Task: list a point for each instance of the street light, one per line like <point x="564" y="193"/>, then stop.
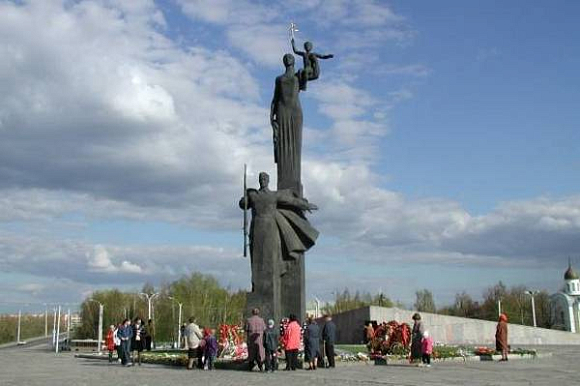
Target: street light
<point x="149" y="300"/>
<point x="178" y="321"/>
<point x="18" y="332"/>
<point x="532" y="294"/>
<point x="45" y="319"/>
<point x="317" y="308"/>
<point x="57" y="330"/>
<point x="54" y="328"/>
<point x="100" y="330"/>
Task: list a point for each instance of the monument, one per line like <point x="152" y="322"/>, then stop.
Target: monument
<point x="279" y="232"/>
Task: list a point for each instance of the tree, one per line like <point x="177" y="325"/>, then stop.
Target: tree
<point x="542" y="300"/>
<point x="464" y="305"/>
<point x="345" y="301"/>
<point x="424" y="301"/>
<point x="517" y="302"/>
<point x="491" y="295"/>
<point x="201" y="295"/>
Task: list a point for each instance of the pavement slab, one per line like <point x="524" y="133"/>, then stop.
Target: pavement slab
<point x="33" y="366"/>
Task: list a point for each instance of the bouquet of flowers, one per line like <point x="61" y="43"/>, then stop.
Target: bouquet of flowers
<point x="231" y="342"/>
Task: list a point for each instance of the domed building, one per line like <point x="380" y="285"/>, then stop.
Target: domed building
<point x="565" y="305"/>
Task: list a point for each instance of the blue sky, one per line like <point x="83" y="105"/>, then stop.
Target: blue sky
<point x="441" y="142"/>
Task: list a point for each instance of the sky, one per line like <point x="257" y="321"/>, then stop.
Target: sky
<point x="441" y="143"/>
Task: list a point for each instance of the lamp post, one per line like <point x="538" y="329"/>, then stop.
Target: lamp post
<point x="57" y="330"/>
<point x="317" y="308"/>
<point x="100" y="330"/>
<point x="45" y="319"/>
<point x="532" y="294"/>
<point x="178" y="321"/>
<point x="54" y="328"/>
<point x="149" y="300"/>
<point x="18" y="331"/>
<point x="68" y="316"/>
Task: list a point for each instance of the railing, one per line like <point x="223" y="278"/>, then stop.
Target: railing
<point x="84" y="345"/>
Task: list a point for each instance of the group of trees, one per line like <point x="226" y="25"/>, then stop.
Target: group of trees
<point x="31" y="326"/>
<point x="345" y="301"/>
<point x="201" y="296"/>
<point x="515" y="303"/>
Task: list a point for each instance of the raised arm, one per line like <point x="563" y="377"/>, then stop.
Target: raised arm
<point x="301" y="53"/>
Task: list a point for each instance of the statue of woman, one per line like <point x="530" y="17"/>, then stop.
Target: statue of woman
<point x="276" y="225"/>
<point x="286" y="121"/>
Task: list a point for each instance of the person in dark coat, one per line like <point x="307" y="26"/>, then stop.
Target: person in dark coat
<point x="271" y="339"/>
<point x="501" y="337"/>
<point x="150" y="335"/>
<point x="311" y="343"/>
<point x="125" y="334"/>
<point x="329" y="337"/>
<point x="138" y="339"/>
<point x="416" y="338"/>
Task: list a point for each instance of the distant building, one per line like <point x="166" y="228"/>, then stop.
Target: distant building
<point x="565" y="305"/>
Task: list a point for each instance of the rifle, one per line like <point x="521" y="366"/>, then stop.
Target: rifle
<point x="245" y="214"/>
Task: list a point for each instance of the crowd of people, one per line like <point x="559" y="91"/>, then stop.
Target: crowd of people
<point x="129" y="339"/>
<point x="263" y="341"/>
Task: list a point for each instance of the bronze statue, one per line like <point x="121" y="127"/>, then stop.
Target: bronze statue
<point x="279" y="234"/>
<point x="286" y="121"/>
<point x="311" y="68"/>
<point x="279" y="231"/>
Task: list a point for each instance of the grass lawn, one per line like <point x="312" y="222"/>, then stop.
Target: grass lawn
<point x="352" y="348"/>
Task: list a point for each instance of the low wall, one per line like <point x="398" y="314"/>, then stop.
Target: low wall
<point x="349" y="325"/>
<point x="449" y="329"/>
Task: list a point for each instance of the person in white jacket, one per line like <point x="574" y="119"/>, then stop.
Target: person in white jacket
<point x="117" y="341"/>
<point x="193" y="337"/>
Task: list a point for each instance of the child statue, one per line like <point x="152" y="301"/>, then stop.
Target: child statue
<point x="311" y="69"/>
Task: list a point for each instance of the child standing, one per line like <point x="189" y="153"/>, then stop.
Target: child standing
<point x="210" y="349"/>
<point x="426" y="349"/>
<point x="110" y="342"/>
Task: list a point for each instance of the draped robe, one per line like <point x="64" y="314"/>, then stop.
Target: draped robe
<point x="278" y="235"/>
<point x="288" y="148"/>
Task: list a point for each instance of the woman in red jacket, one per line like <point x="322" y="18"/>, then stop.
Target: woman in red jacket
<point x="110" y="342"/>
<point x="292" y="342"/>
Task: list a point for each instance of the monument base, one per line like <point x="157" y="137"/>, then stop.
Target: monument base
<point x="292" y="296"/>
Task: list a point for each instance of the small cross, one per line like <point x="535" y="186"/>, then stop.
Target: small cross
<point x="293" y="28"/>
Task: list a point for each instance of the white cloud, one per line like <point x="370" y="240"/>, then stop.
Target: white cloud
<point x="132" y="110"/>
<point x="100" y="261"/>
<point x="97" y="264"/>
<point x="33" y="288"/>
<point x="103" y="117"/>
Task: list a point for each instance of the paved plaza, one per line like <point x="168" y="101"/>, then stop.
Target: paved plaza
<point x="36" y="366"/>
